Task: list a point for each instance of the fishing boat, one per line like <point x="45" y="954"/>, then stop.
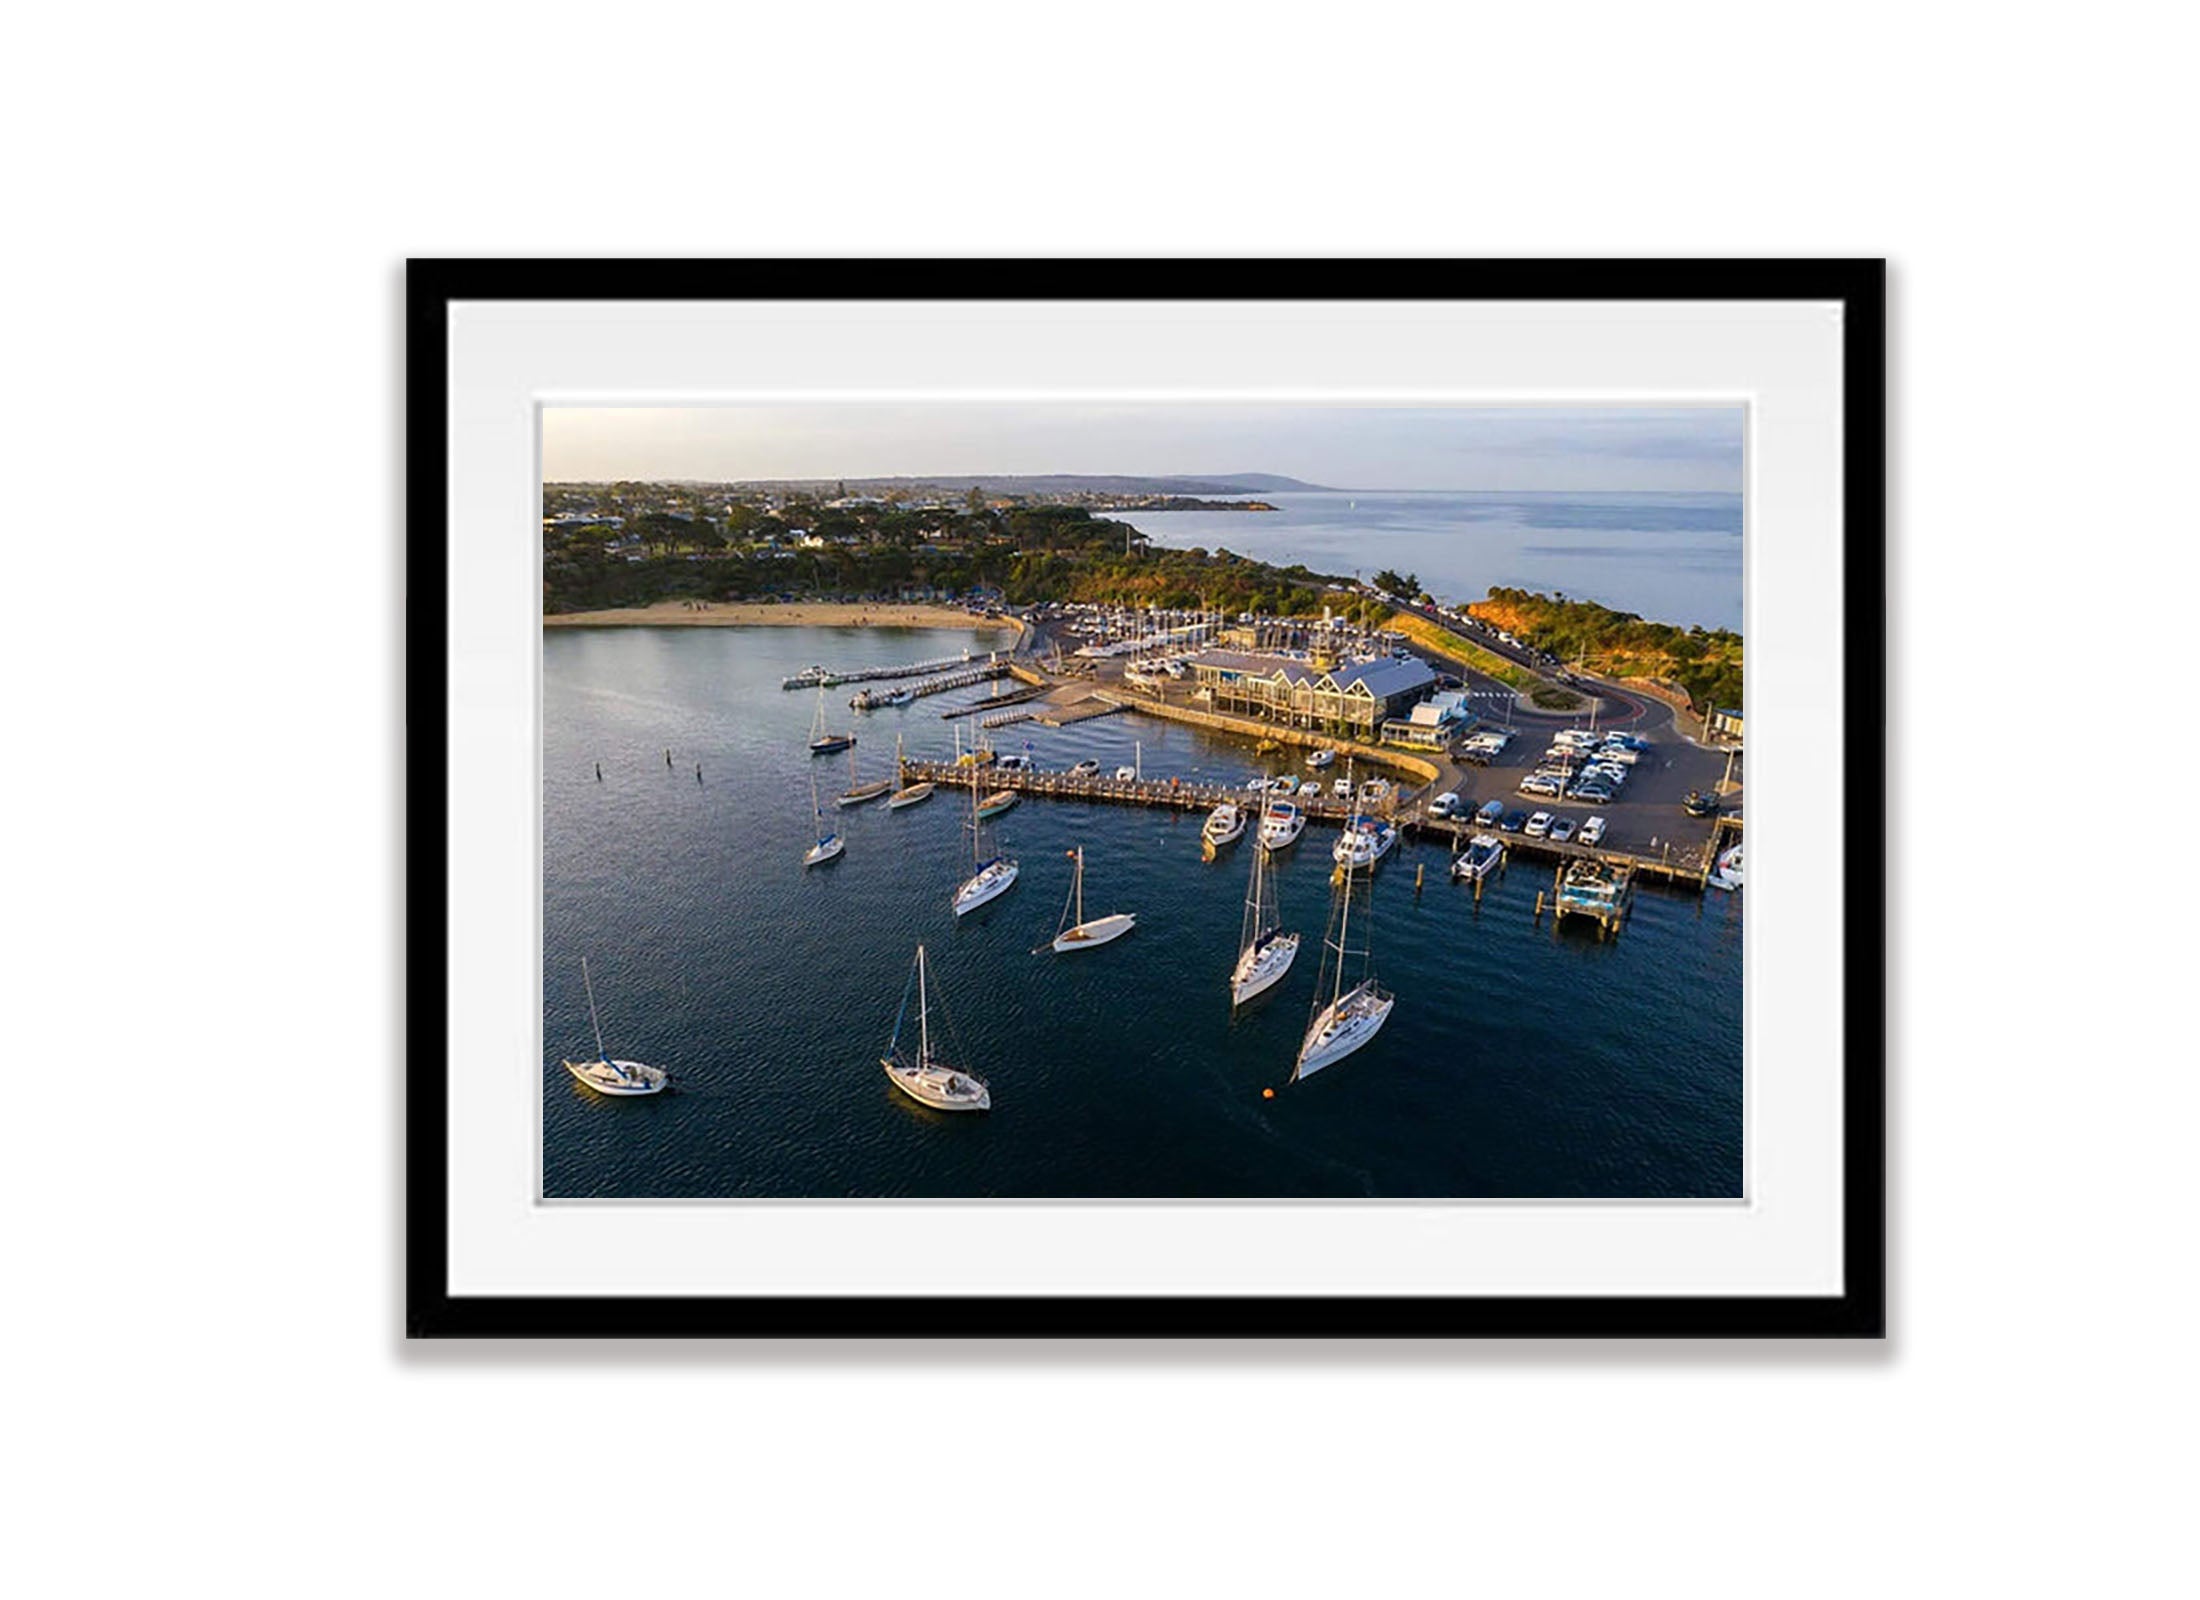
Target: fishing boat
<point x="1281" y="823"/>
<point x="1365" y="841"/>
<point x="994" y="876"/>
<point x="924" y="1077"/>
<point x="1083" y="935"/>
<point x="857" y="793"/>
<point x="1726" y="872"/>
<point x="1224" y="825"/>
<point x="822" y="741"/>
<point x="1265" y="952"/>
<point x="829" y="844"/>
<point x="1321" y="758"/>
<point x="997" y="802"/>
<point x="1480" y="858"/>
<point x="605" y="1075"/>
<point x="1349" y="1018"/>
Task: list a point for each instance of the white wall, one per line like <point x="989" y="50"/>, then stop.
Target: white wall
<point x="207" y="209"/>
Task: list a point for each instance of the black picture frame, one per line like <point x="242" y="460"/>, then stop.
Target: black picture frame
<point x="1859" y="1311"/>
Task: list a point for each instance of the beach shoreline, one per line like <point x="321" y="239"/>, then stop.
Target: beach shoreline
<point x="797" y="614"/>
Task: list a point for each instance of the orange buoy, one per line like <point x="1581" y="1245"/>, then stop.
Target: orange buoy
<point x="1268" y="1094"/>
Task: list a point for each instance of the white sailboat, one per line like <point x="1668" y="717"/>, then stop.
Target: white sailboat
<point x="1083" y="935"/>
<point x="994" y="877"/>
<point x="924" y="1077"/>
<point x="858" y="793"/>
<point x="1350" y="1017"/>
<point x="1266" y="952"/>
<point x="914" y="793"/>
<point x="605" y="1075"/>
<point x="829" y="844"/>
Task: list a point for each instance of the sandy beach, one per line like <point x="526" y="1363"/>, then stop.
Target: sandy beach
<point x="726" y="614"/>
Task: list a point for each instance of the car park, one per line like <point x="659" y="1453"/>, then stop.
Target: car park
<point x="1513" y="822"/>
<point x="1592" y="831"/>
<point x="1539" y="825"/>
<point x="1562" y="829"/>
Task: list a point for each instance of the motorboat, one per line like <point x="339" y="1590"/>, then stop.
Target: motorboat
<point x="1480" y="858"/>
<point x="1321" y="758"/>
<point x="1224" y="825"/>
<point x="1281" y="824"/>
<point x="1365" y="841"/>
<point x="997" y="802"/>
<point x="1726" y="872"/>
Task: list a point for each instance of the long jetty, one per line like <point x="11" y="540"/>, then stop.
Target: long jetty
<point x="862" y="700"/>
<point x="1683" y="868"/>
<point x="816" y="677"/>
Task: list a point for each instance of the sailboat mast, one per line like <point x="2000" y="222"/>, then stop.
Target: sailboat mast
<point x="1344" y="931"/>
<point x="590" y="986"/>
<point x="1080" y="886"/>
<point x="924" y="1014"/>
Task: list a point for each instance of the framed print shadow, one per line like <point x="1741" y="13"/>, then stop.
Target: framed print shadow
<point x="1147" y="798"/>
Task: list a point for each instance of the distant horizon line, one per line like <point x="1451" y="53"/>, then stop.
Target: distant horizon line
<point x="981" y="480"/>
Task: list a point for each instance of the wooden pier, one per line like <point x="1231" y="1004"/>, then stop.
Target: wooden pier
<point x="913" y="669"/>
<point x="953" y="680"/>
<point x="1684" y="868"/>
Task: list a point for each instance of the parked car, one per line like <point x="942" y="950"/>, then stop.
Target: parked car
<point x="1699" y="804"/>
<point x="1445" y="804"/>
<point x="1490" y="813"/>
<point x="1539" y="825"/>
<point x="1513" y="822"/>
<point x="1592" y="831"/>
<point x="1562" y="829"/>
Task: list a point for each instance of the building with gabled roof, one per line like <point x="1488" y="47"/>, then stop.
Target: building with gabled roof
<point x="1352" y="698"/>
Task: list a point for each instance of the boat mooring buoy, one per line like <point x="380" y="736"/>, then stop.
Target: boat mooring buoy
<point x="1268" y="1094"/>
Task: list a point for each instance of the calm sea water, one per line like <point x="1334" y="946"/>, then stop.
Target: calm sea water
<point x="1669" y="557"/>
<point x="1517" y="1063"/>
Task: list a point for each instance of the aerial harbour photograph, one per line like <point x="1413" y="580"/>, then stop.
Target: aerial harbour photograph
<point x="975" y="800"/>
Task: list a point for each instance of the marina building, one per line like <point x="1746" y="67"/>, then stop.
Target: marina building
<point x="1432" y="724"/>
<point x="1316" y="692"/>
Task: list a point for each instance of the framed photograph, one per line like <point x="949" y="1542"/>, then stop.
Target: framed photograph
<point x="960" y="799"/>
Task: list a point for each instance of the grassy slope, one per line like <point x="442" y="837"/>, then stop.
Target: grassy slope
<point x="1443" y="641"/>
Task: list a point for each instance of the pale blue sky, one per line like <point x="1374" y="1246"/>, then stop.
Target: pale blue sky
<point x="1346" y="446"/>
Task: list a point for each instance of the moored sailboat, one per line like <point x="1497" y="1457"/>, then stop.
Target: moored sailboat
<point x="1083" y="935"/>
<point x="1350" y="1017"/>
<point x="1266" y="952"/>
<point x="924" y="1077"/>
<point x="857" y="793"/>
<point x="604" y="1075"/>
<point x="994" y="877"/>
<point x="822" y="741"/>
<point x="829" y="844"/>
<point x="914" y="792"/>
